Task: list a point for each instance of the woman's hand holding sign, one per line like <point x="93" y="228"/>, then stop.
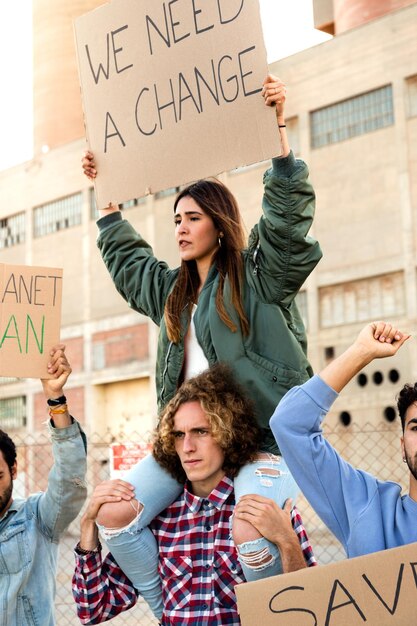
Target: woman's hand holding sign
<point x="274" y="93"/>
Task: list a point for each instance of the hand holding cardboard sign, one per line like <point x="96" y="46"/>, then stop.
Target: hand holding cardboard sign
<point x="274" y="93"/>
<point x="60" y="369"/>
<point x="89" y="166"/>
<point x="89" y="170"/>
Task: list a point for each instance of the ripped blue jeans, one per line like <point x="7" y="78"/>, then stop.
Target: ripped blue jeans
<point x="270" y="478"/>
<point x="135" y="548"/>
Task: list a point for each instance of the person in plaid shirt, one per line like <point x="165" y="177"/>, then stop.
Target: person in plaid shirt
<point x="206" y="433"/>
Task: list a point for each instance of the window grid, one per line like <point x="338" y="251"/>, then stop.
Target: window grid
<point x="94" y="214"/>
<point x="350" y="118"/>
<point x="293" y="134"/>
<point x="13" y="413"/>
<point x="412" y="96"/>
<point x="12" y="230"/>
<point x="57" y="215"/>
<point x="6" y="380"/>
<point x="171" y="191"/>
<point x="302" y="304"/>
<point x="382" y="297"/>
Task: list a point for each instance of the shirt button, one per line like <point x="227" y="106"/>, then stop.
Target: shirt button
<point x="208" y="527"/>
<point x="207" y="565"/>
<point x="205" y="606"/>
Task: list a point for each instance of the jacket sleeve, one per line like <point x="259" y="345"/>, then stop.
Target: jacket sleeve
<point x="142" y="280"/>
<point x="281" y="254"/>
<point x="100" y="589"/>
<point x="60" y="504"/>
<point x="337" y="491"/>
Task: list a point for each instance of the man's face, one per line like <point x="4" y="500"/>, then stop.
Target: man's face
<point x="201" y="456"/>
<point x="6" y="484"/>
<point x="409" y="446"/>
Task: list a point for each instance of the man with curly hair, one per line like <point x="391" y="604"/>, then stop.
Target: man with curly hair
<point x="206" y="433"/>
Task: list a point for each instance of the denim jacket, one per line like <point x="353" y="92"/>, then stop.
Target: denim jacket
<point x="30" y="531"/>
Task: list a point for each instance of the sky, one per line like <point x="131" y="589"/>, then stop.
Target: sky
<point x="288" y="28"/>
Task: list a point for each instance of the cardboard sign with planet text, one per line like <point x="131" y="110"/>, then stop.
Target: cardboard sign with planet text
<point x="30" y="319"/>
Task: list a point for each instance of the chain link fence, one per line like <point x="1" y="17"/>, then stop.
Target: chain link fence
<point x="373" y="449"/>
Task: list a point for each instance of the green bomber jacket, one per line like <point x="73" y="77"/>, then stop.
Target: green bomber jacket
<point x="280" y="255"/>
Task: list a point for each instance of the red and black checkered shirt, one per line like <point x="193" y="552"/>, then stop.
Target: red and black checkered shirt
<point x="198" y="565"/>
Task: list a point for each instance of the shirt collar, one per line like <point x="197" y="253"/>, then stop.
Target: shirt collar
<point x="15" y="506"/>
<point x="215" y="499"/>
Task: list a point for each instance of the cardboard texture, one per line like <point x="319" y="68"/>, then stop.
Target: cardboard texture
<point x="30" y="319"/>
<point x="171" y="92"/>
<point x="379" y="589"/>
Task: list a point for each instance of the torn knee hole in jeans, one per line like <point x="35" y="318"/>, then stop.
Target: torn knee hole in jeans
<point x="138" y="508"/>
<point x="267" y="474"/>
<point x="258" y="559"/>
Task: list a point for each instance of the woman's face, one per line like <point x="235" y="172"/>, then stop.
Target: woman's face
<point x="195" y="232"/>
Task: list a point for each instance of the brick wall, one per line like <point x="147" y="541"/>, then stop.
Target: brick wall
<point x="75" y="399"/>
<point x="121" y="345"/>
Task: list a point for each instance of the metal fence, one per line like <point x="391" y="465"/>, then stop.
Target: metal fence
<point x="374" y="450"/>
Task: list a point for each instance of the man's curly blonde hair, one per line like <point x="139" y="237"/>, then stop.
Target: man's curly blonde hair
<point x="230" y="413"/>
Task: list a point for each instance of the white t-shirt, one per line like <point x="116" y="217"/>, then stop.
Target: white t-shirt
<point x="195" y="359"/>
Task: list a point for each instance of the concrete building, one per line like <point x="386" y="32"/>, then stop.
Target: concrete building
<point x="352" y="115"/>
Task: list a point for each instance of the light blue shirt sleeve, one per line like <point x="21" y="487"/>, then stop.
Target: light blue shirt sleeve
<point x="60" y="504"/>
<point x="336" y="490"/>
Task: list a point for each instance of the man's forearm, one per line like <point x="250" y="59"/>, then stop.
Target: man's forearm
<point x="89" y="535"/>
<point x="377" y="340"/>
<point x="288" y="544"/>
<point x="292" y="556"/>
<point x="341" y="371"/>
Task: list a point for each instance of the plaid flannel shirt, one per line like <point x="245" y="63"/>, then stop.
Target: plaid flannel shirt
<point x="198" y="565"/>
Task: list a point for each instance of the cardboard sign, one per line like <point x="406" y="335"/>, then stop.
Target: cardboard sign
<point x="379" y="589"/>
<point x="171" y="92"/>
<point x="123" y="456"/>
<point x="30" y="319"/>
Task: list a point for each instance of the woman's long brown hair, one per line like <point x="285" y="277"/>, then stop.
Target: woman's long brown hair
<point x="217" y="202"/>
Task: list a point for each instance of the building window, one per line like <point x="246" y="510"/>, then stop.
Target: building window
<point x="94" y="214"/>
<point x="93" y="205"/>
<point x="301" y="301"/>
<point x="247" y="168"/>
<point x="12" y="230"/>
<point x="352" y="117"/>
<point x="329" y="353"/>
<point x="382" y="297"/>
<point x="131" y="203"/>
<point x="6" y="380"/>
<point x="412" y="95"/>
<point x="166" y="192"/>
<point x="12" y="413"/>
<point x="293" y="134"/>
<point x="57" y="215"/>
